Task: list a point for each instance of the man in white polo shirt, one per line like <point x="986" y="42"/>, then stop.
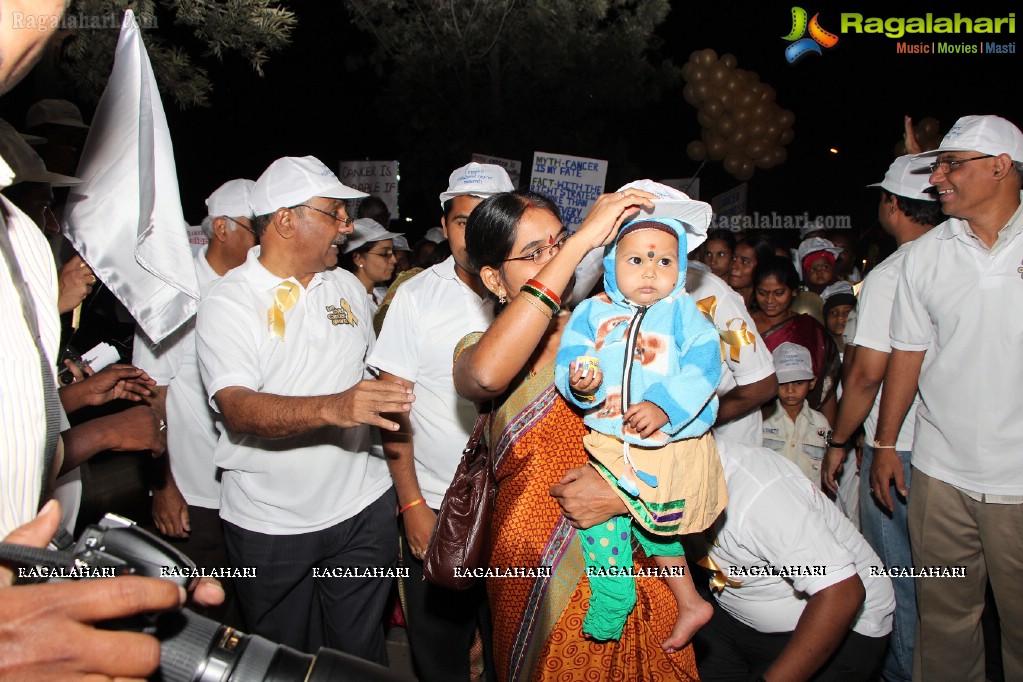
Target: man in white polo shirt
<point x="800" y="593"/>
<point x="428" y="316"/>
<point x="282" y="342"/>
<point x="186" y="498"/>
<point x="906" y="210"/>
<point x="957" y="333"/>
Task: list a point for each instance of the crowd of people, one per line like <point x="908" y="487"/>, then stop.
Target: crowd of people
<point x="718" y="457"/>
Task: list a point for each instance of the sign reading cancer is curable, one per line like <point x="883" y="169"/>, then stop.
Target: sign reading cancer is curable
<point x="378" y="178"/>
<point x="572" y="182"/>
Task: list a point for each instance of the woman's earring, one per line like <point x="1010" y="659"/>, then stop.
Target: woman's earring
<point x="503" y="298"/>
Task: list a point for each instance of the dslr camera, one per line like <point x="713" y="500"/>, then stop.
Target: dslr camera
<point x="192" y="648"/>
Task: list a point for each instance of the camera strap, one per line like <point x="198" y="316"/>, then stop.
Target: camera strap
<point x="34" y="556"/>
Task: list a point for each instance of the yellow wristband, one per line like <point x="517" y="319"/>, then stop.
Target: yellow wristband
<point x="411" y="504"/>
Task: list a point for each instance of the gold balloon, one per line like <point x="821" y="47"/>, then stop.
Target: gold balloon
<point x="705" y="119"/>
<point x="713" y="108"/>
<point x="786" y="136"/>
<point x="716" y="149"/>
<point x="696" y="150"/>
<point x="687" y="70"/>
<point x="733" y="163"/>
<point x="809" y="303"/>
<point x="785" y="119"/>
<point x="729" y="60"/>
<point x="746" y="171"/>
<point x="702" y="91"/>
<point x="725" y="125"/>
<point x="689" y="96"/>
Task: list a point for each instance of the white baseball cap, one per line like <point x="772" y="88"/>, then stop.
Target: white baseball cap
<point x="792" y="363"/>
<point x="26" y="163"/>
<point x="478" y="180"/>
<point x="813" y="245"/>
<point x="292" y="180"/>
<point x="367" y="230"/>
<point x="56" y="111"/>
<point x="231" y="199"/>
<point x="984" y="134"/>
<point x="907" y="179"/>
<point x="435" y="235"/>
<point x="672" y="203"/>
<point x="401" y="244"/>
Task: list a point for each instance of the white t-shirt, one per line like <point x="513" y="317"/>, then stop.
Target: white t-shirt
<point x="961" y="303"/>
<point x="316" y="479"/>
<point x="755" y="361"/>
<point x="428" y="316"/>
<point x="776" y="520"/>
<point x="192" y="432"/>
<point x="22" y="404"/>
<point x="872" y="326"/>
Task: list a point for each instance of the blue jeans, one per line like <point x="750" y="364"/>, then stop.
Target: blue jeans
<point x="888" y="534"/>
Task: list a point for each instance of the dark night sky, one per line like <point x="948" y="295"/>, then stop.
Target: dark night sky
<point x="851" y="98"/>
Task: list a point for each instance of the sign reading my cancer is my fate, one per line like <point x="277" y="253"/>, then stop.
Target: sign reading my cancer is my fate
<point x="572" y="182"/>
<point x="377" y="178"/>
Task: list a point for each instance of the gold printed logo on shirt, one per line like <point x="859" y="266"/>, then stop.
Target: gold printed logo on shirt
<point x="341" y="314"/>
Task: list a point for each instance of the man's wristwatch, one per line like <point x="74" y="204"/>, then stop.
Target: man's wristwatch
<point x="842" y="446"/>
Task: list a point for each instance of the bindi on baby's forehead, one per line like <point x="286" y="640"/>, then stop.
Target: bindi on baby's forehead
<point x="651" y="253"/>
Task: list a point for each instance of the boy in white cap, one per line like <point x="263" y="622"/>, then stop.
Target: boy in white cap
<point x="427" y="316"/>
<point x="282" y="341"/>
<point x="907" y="209"/>
<point x="186" y="496"/>
<point x="791" y="428"/>
<point x="955" y="334"/>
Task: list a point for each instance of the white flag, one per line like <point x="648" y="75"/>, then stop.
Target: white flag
<point x="125" y="218"/>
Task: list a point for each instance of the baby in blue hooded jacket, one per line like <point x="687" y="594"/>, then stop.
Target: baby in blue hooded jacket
<point x="643" y="363"/>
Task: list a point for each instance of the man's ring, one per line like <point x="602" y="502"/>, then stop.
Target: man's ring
<point x="163" y="425"/>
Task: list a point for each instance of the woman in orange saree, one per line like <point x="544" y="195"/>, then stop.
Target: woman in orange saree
<point x="536" y="438"/>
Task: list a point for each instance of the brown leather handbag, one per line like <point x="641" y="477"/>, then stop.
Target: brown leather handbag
<point x="461" y="537"/>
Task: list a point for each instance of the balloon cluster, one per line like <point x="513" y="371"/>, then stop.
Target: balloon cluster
<point x="741" y="122"/>
<point x="928" y="136"/>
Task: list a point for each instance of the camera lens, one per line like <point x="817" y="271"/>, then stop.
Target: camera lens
<point x="196" y="649"/>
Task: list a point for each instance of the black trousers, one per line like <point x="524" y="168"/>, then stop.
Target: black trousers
<point x="441" y="624"/>
<point x="730" y="651"/>
<point x="286" y="603"/>
<point x="206" y="547"/>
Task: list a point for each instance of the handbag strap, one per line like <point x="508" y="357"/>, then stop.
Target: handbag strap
<point x="477" y="430"/>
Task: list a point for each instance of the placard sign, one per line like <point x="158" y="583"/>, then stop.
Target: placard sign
<point x="379" y="178"/>
<point x="572" y="182"/>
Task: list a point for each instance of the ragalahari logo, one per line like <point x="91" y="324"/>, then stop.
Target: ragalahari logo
<point x="802" y="46"/>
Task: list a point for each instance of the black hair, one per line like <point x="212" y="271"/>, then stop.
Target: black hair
<point x="920" y="211"/>
<point x="260" y="223"/>
<point x="762" y="247"/>
<point x="347" y="260"/>
<point x="778" y="267"/>
<point x="490" y="230"/>
<point x="374" y="208"/>
<point x="722" y="236"/>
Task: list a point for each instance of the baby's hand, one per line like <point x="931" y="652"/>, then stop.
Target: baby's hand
<point x="645" y="418"/>
<point x="586" y="376"/>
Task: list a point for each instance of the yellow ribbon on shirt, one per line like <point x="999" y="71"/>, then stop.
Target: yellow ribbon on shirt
<point x="285" y="297"/>
<point x="735" y="339"/>
<point x="718" y="579"/>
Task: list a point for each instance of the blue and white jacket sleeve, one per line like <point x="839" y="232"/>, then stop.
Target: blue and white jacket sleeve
<point x="689" y="397"/>
<point x="578" y="339"/>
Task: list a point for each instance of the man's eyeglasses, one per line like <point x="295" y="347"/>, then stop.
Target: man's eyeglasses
<point x="544" y="254"/>
<point x="949" y="165"/>
<point x="336" y="216"/>
<point x="243" y="226"/>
